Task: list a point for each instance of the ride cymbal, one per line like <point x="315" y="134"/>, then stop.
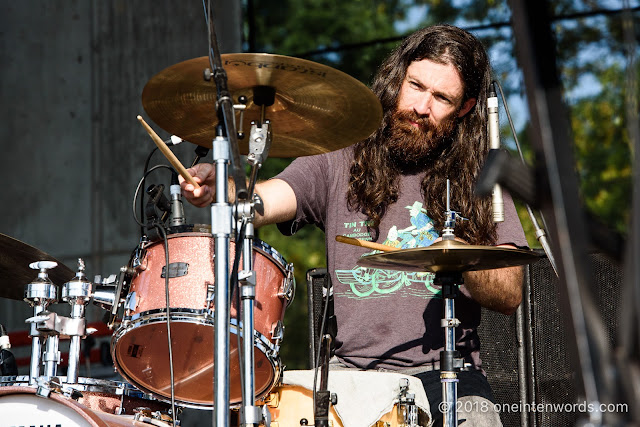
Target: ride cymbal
<point x="449" y="256"/>
<point x="316" y="108"/>
<point x="15" y="257"/>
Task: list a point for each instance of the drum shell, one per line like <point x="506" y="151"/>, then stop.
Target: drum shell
<point x="139" y="346"/>
<point x="20" y="405"/>
<point x="288" y="404"/>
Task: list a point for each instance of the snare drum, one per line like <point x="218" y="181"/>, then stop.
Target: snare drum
<point x="139" y="346"/>
<point x="113" y="397"/>
<point x="20" y="406"/>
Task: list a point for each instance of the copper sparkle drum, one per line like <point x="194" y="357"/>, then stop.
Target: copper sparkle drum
<point x="139" y="346"/>
<point x="20" y="406"/>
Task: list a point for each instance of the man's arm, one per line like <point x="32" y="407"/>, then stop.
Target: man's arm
<point x="277" y="196"/>
<point x="499" y="290"/>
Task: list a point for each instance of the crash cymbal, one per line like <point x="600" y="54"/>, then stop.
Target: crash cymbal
<point x="317" y="109"/>
<point x="15" y="257"/>
<point x="449" y="256"/>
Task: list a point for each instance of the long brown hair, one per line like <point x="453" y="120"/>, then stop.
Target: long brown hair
<point x="373" y="184"/>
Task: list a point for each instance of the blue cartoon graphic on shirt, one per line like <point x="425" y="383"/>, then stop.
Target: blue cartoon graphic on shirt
<point x="366" y="282"/>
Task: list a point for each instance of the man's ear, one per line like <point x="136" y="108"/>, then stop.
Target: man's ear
<point x="467" y="106"/>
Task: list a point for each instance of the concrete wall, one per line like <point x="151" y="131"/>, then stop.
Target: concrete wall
<point x="72" y="150"/>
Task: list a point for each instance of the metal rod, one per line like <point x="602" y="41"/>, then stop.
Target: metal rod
<point x="51" y="356"/>
<point x="449" y="385"/>
<point x="248" y="294"/>
<point x="77" y="312"/>
<point x="221" y="217"/>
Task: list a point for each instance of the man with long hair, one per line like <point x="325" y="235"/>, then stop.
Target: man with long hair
<point x="391" y="188"/>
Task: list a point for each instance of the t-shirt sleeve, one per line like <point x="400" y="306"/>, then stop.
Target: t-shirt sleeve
<point x="308" y="178"/>
<point x="510" y="230"/>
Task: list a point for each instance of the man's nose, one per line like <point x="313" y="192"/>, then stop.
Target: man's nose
<point x="422" y="106"/>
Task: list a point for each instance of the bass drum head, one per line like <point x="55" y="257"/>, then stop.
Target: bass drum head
<point x="141" y="356"/>
<point x="20" y="406"/>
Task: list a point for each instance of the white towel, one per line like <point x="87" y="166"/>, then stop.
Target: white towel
<point x="363" y="396"/>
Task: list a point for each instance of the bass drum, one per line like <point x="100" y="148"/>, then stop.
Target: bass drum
<point x="20" y="406"/>
<point x="139" y="346"/>
<point x="114" y="397"/>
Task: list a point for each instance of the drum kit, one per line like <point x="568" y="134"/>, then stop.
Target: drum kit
<point x="170" y="308"/>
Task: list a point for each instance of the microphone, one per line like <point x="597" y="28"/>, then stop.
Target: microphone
<point x="497" y="203"/>
<point x="8" y="366"/>
<point x="177" y="208"/>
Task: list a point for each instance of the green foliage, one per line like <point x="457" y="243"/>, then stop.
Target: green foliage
<point x="602" y="151"/>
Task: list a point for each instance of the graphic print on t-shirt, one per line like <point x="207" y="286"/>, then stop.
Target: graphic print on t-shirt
<point x="363" y="282"/>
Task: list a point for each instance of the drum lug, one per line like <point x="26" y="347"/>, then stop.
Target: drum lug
<point x="277" y="334"/>
<point x="288" y="288"/>
<point x="140" y="254"/>
<point x="272" y="400"/>
<point x="145" y="415"/>
<point x="130" y="303"/>
<point x="407" y="403"/>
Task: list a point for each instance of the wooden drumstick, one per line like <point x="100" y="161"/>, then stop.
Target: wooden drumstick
<point x="168" y="154"/>
<point x="365" y="244"/>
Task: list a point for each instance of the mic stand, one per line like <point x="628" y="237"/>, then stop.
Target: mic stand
<point x="225" y="149"/>
<point x="323" y="395"/>
<point x="221" y="215"/>
<point x="259" y="144"/>
<point x="224" y="105"/>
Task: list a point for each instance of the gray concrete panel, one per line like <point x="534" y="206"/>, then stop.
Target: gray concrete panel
<point x="72" y="150"/>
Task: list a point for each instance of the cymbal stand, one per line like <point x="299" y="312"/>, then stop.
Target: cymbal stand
<point x="450" y="361"/>
<point x="39" y="294"/>
<point x="78" y="293"/>
<point x="259" y="144"/>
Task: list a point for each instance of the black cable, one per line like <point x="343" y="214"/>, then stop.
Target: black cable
<point x="146" y="167"/>
<point x="235" y="292"/>
<point x="162" y="232"/>
<point x="135" y="195"/>
<point x="316" y="364"/>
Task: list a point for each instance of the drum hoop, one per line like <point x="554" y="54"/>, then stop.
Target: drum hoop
<point x="260" y="342"/>
<point x="85" y="384"/>
<point x="189" y="316"/>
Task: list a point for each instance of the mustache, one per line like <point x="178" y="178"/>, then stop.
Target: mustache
<point x="405" y="116"/>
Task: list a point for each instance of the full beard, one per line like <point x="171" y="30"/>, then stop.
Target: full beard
<point x="413" y="147"/>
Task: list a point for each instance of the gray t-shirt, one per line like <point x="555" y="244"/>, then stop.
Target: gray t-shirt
<point x="386" y="318"/>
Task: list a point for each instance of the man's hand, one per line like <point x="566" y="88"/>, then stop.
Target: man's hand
<point x="205" y="175"/>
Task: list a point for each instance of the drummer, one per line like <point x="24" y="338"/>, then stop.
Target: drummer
<point x="391" y="188"/>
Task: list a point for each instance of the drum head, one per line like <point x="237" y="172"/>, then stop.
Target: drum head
<point x="141" y="356"/>
<point x="20" y="406"/>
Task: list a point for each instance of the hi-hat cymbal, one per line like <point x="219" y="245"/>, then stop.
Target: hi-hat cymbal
<point x="15" y="257"/>
<point x="449" y="256"/>
<point x="317" y="109"/>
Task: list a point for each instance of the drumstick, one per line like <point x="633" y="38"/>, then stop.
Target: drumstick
<point x="168" y="153"/>
<point x="365" y="244"/>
